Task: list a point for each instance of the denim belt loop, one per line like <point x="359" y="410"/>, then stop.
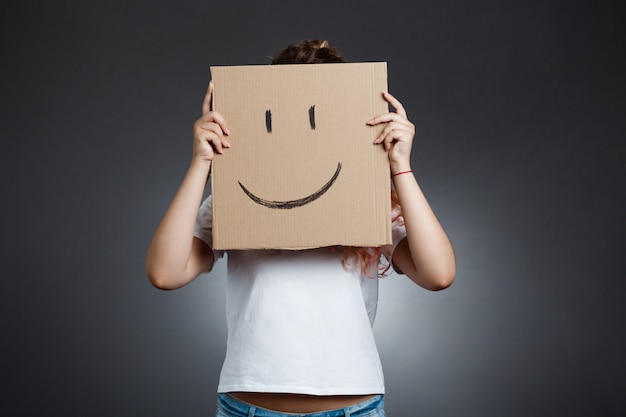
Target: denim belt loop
<point x="251" y="411"/>
<point x="346" y="412"/>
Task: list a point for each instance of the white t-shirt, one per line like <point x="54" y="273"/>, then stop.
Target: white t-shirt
<point x="298" y="322"/>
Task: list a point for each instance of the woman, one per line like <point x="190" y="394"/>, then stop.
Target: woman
<point x="300" y="338"/>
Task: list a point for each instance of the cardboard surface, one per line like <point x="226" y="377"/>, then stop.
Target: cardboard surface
<point x="302" y="171"/>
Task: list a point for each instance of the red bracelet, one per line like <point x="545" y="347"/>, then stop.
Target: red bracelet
<point x="403" y="172"/>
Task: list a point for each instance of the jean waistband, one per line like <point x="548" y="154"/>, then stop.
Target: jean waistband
<point x="231" y="406"/>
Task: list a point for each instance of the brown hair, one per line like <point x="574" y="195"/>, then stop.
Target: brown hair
<point x="310" y="51"/>
<point x="369" y="261"/>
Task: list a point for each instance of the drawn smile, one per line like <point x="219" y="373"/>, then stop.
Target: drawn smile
<point x="294" y="203"/>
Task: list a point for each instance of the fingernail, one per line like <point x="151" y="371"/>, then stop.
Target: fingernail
<point x="227" y="130"/>
<point x="369" y="121"/>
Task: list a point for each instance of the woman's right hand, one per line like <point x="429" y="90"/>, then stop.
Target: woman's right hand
<point x="209" y="131"/>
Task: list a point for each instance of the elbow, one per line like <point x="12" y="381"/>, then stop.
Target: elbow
<point x="436" y="280"/>
<point x="443" y="276"/>
<point x="159" y="280"/>
<point x="162" y="276"/>
<point x="441" y="281"/>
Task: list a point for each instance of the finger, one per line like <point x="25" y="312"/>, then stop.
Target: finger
<point x="215" y="133"/>
<point x="394" y="133"/>
<point x="211" y="138"/>
<point x="395" y="104"/>
<point x="390" y="127"/>
<point x="404" y="127"/>
<point x="216" y="143"/>
<point x="391" y="138"/>
<point x="212" y="128"/>
<point x="216" y="117"/>
<point x="208" y="99"/>
<point x="387" y="117"/>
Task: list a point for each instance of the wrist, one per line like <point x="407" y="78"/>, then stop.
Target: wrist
<point x="408" y="171"/>
<point x="397" y="168"/>
<point x="200" y="164"/>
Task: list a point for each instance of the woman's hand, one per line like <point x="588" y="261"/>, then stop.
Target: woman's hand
<point x="397" y="136"/>
<point x="209" y="131"/>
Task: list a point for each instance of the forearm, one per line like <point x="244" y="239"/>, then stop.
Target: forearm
<point x="431" y="261"/>
<point x="426" y="255"/>
<point x="169" y="262"/>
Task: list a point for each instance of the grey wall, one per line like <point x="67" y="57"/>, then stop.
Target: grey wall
<point x="519" y="108"/>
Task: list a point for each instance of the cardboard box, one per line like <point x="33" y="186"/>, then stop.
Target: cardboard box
<point x="302" y="171"/>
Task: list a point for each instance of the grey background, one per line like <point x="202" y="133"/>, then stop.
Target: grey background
<point x="519" y="107"/>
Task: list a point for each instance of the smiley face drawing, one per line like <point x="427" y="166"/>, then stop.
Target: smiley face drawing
<point x="302" y="170"/>
<point x="290" y="204"/>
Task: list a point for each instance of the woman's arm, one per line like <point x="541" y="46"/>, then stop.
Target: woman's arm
<point x="175" y="257"/>
<point x="426" y="255"/>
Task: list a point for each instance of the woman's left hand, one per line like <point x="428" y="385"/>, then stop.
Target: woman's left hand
<point x="397" y="136"/>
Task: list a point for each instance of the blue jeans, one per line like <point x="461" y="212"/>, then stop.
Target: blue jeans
<point x="229" y="406"/>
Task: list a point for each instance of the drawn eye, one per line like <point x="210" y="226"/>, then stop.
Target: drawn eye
<point x="268" y="121"/>
<point x="312" y="117"/>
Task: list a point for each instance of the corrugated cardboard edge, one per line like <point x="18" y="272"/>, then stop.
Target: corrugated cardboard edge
<point x="216" y="72"/>
<point x="383" y="179"/>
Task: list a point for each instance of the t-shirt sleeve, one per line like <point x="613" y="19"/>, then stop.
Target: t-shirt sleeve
<point x="204" y="226"/>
